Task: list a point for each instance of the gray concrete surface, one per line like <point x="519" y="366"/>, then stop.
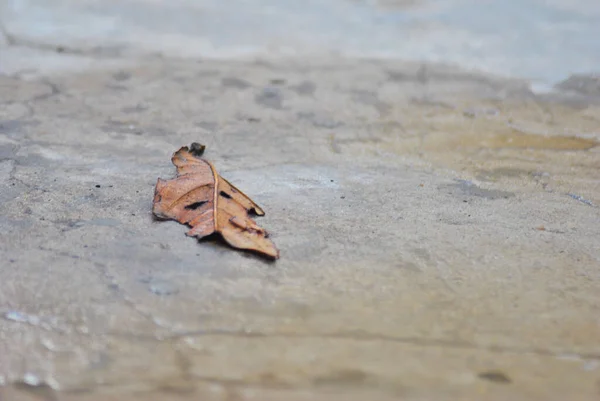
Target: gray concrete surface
<point x="439" y="228"/>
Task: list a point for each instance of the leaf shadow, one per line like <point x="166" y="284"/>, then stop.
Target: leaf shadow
<point x="219" y="243"/>
<point x="156" y="219"/>
<point x="217" y="240"/>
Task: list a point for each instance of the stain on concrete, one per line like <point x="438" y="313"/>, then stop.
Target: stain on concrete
<point x="467" y="188"/>
<point x="207" y="125"/>
<point x="534" y="141"/>
<point x="121" y="76"/>
<point x="371" y="99"/>
<point x="477" y="112"/>
<point x="134" y="109"/>
<point x="502" y="172"/>
<point x="270" y="97"/>
<point x="421" y="76"/>
<point x="398" y="76"/>
<point x="234" y="82"/>
<point x="304" y="88"/>
<point x="319" y="120"/>
<point x="410" y="266"/>
<point x="11" y="126"/>
<point x="509" y="139"/>
<point x="117" y="87"/>
<point x="511" y="173"/>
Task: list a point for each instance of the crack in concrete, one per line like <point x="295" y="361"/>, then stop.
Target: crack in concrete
<point x="54" y="91"/>
<point x="13" y="167"/>
<point x="362" y="337"/>
<point x="13" y="170"/>
<point x="98" y="51"/>
<point x="184" y="364"/>
<point x="424" y="342"/>
<point x="229" y="384"/>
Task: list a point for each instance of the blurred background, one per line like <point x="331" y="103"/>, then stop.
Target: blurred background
<point x="542" y="40"/>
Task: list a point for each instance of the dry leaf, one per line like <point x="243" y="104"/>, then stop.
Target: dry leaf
<point x="202" y="199"/>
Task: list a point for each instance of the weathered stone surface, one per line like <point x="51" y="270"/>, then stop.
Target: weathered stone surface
<point x="420" y="248"/>
<point x="438" y="228"/>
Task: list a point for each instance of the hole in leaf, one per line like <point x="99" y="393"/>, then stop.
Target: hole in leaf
<point x="225" y="194"/>
<point x="195" y="205"/>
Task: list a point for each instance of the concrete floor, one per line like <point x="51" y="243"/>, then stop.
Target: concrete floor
<point x="439" y="227"/>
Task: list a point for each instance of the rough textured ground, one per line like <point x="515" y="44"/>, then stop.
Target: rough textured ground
<point x="439" y="232"/>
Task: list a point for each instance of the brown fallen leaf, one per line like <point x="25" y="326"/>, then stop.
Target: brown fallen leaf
<point x="202" y="199"/>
